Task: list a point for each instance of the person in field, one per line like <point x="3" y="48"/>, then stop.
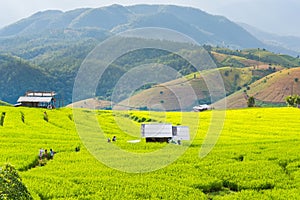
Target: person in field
<point x="51" y="153"/>
<point x="114" y="138"/>
<point x="46" y="153"/>
<point x="41" y="153"/>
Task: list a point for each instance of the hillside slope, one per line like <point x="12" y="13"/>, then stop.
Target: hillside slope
<point x="247" y="66"/>
<point x="58" y="42"/>
<point x="93" y="103"/>
<point x="17" y="76"/>
<point x="2" y="103"/>
<point x="270" y="90"/>
<point x="180" y="94"/>
<point x="252" y="57"/>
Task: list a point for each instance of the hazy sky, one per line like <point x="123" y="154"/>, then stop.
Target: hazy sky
<point x="275" y="16"/>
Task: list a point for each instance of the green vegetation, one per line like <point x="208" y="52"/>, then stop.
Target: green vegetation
<point x="293" y="100"/>
<point x="54" y="64"/>
<point x="266" y="104"/>
<point x="11" y="186"/>
<point x="260" y="55"/>
<point x="251" y="102"/>
<point x="55" y="69"/>
<point x="253" y="158"/>
<point x="53" y="52"/>
<point x="2" y="103"/>
<point x="16" y="77"/>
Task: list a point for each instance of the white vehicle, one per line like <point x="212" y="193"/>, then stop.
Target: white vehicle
<point x="201" y="108"/>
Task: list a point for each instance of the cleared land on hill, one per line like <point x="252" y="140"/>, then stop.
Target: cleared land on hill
<point x="268" y="91"/>
<point x="192" y="89"/>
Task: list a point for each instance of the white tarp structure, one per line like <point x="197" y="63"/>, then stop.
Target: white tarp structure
<point x="181" y="133"/>
<point x="156" y="130"/>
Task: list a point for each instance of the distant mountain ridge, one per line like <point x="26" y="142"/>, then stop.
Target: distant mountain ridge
<point x="201" y="26"/>
<point x="288" y="42"/>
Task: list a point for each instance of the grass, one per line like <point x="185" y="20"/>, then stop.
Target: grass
<point x="2" y="103"/>
<point x="256" y="156"/>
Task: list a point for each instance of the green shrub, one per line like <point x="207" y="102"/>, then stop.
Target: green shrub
<point x="231" y="185"/>
<point x="266" y="186"/>
<point x="70" y="116"/>
<point x="46" y="118"/>
<point x="143" y="119"/>
<point x="241" y="158"/>
<point x="251" y="102"/>
<point x="214" y="186"/>
<point x="2" y="118"/>
<point x="22" y="117"/>
<point x="11" y="186"/>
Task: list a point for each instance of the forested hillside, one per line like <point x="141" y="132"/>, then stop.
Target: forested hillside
<point x="17" y="74"/>
<point x="57" y="70"/>
<point x="45" y="51"/>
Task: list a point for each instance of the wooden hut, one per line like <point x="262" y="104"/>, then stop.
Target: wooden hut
<point x="38" y="99"/>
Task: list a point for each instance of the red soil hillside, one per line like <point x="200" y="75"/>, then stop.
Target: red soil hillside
<point x="269" y="90"/>
<point x="186" y="92"/>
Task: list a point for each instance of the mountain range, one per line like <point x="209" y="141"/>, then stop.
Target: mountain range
<point x="45" y="50"/>
<point x="281" y="42"/>
<point x="201" y="26"/>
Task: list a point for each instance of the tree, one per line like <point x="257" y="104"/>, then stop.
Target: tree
<point x="251" y="102"/>
<point x="297" y="100"/>
<point x="11" y="186"/>
<point x="292" y="100"/>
